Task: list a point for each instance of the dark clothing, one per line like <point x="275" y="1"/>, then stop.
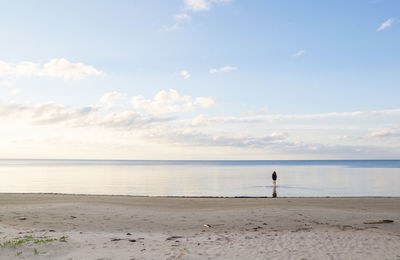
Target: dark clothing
<point x="274" y="176"/>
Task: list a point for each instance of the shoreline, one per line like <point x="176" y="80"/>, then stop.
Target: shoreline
<point x="193" y="197"/>
<point x="131" y="227"/>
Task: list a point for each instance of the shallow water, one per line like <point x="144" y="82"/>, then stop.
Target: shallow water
<point x="202" y="178"/>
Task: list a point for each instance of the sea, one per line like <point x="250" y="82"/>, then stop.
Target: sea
<point x="296" y="178"/>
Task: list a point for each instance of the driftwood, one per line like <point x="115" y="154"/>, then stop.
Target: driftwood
<point x="173" y="237"/>
<point x="383" y="221"/>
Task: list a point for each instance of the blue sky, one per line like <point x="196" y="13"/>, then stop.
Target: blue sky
<point x="200" y="79"/>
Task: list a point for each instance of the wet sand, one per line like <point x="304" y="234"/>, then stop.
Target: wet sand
<point x="125" y="227"/>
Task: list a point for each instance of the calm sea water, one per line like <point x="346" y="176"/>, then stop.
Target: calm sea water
<point x="202" y="178"/>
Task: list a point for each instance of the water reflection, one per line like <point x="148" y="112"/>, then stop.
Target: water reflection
<point x="198" y="180"/>
<point x="274" y="194"/>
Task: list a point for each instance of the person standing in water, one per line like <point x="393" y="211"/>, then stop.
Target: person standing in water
<point x="274" y="177"/>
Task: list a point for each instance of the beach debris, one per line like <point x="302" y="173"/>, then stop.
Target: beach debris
<point x="257" y="228"/>
<point x="116" y="239"/>
<point x="300" y="228"/>
<point x="173" y="237"/>
<point x="345" y="227"/>
<point x="383" y="221"/>
<point x="52" y="230"/>
<point x="128" y="234"/>
<point x="132" y="240"/>
<point x="72" y="216"/>
<point x="22" y="218"/>
<point x="213" y="225"/>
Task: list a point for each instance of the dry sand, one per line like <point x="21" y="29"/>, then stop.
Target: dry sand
<point x="124" y="227"/>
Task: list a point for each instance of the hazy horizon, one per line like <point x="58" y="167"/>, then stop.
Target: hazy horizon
<point x="210" y="160"/>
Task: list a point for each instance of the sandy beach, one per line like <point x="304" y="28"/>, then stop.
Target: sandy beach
<point x="52" y="226"/>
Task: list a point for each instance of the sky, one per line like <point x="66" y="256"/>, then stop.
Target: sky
<point x="200" y="79"/>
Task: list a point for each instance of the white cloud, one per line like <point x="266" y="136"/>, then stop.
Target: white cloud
<point x="15" y="91"/>
<point x="205" y="102"/>
<point x="64" y="69"/>
<point x="384" y="133"/>
<point x="45" y="113"/>
<point x="179" y="20"/>
<point x="186" y="136"/>
<point x="299" y="53"/>
<point x="340" y="137"/>
<point x="386" y="24"/>
<point x="182" y="17"/>
<point x="51" y="113"/>
<point x="5" y="83"/>
<point x="165" y="102"/>
<point x="143" y="112"/>
<point x="298" y="135"/>
<point x="194" y="6"/>
<point x="197" y="5"/>
<point x="109" y="98"/>
<point x="200" y="120"/>
<point x="223" y="69"/>
<point x="268" y="118"/>
<point x="59" y="68"/>
<point x="24" y="68"/>
<point x="185" y="74"/>
<point x="201" y="5"/>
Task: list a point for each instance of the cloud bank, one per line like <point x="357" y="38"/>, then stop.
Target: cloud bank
<point x="57" y="68"/>
<point x="172" y="119"/>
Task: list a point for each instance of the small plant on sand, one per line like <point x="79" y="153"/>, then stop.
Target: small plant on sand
<point x="13" y="243"/>
<point x="29" y="240"/>
<point x="44" y="241"/>
<point x="63" y="239"/>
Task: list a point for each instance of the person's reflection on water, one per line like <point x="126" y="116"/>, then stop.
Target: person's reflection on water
<point x="274" y="177"/>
